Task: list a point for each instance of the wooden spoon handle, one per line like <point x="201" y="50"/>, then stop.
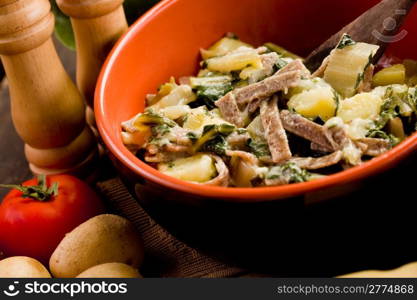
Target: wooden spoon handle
<point x="379" y="25"/>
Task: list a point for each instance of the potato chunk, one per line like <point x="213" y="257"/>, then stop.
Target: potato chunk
<point x="199" y="168"/>
<point x="235" y="61"/>
<point x="390" y="75"/>
<point x="361" y="106"/>
<point x="180" y="95"/>
<point x="175" y="112"/>
<point x="319" y="102"/>
<point x="223" y="47"/>
<point x="199" y="117"/>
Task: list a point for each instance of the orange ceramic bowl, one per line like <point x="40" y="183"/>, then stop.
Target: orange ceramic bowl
<point x="242" y="225"/>
<point x="166" y="41"/>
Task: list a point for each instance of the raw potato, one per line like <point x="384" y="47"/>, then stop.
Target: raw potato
<point x="102" y="239"/>
<point x="319" y="102"/>
<point x="199" y="168"/>
<point x="390" y="75"/>
<point x="407" y="271"/>
<point x="22" y="267"/>
<point x="110" y="270"/>
<point x="362" y="106"/>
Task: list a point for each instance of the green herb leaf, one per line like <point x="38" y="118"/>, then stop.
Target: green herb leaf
<point x="210" y="94"/>
<point x="63" y="28"/>
<point x="379" y="134"/>
<point x="288" y="173"/>
<point x="259" y="148"/>
<point x="192" y="136"/>
<point x="218" y="145"/>
<point x="345" y="41"/>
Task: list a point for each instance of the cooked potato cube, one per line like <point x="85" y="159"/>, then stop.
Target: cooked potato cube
<point x="390" y="75"/>
<point x="199" y="117"/>
<point x="180" y="95"/>
<point x="243" y="172"/>
<point x="164" y="90"/>
<point x="396" y="128"/>
<point x="223" y="47"/>
<point x="138" y="138"/>
<point x="320" y="102"/>
<point x="359" y="128"/>
<point x="235" y="61"/>
<point x="175" y="112"/>
<point x="362" y="106"/>
<point x="306" y="85"/>
<point x="199" y="168"/>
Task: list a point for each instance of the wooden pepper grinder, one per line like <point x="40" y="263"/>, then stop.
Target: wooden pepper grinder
<point x="97" y="25"/>
<point x="47" y="109"/>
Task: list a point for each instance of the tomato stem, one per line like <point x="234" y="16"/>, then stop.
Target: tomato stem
<point x="40" y="192"/>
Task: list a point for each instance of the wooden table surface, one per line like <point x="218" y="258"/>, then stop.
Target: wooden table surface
<point x="13" y="165"/>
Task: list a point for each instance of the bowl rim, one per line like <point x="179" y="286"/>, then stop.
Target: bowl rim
<point x="230" y="194"/>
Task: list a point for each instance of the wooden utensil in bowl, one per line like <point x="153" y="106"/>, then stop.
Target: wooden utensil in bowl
<point x="378" y="25"/>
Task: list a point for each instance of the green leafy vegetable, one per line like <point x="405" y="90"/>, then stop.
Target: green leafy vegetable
<point x="379" y="134"/>
<point x="361" y="76"/>
<point x="280" y="64"/>
<point x="63" y="29"/>
<point x="288" y="173"/>
<point x="345" y="41"/>
<point x="192" y="136"/>
<point x="213" y="139"/>
<point x="161" y="129"/>
<point x="259" y="148"/>
<point x="210" y="94"/>
<point x="218" y="145"/>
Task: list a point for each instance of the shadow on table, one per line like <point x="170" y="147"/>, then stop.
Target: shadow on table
<point x="372" y="228"/>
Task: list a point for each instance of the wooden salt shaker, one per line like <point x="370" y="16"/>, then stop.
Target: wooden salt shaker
<point x="47" y="109"/>
<point x="97" y="25"/>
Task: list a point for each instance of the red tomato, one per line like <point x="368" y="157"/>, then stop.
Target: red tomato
<point x="33" y="227"/>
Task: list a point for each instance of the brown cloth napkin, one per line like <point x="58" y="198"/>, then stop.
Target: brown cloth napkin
<point x="165" y="255"/>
